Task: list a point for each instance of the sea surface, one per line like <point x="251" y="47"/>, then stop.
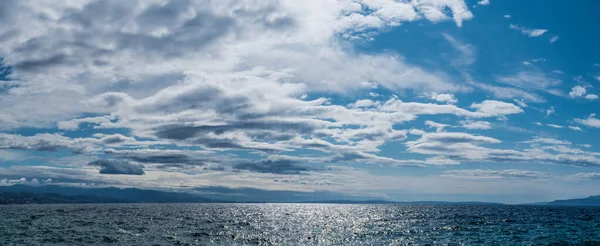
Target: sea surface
<point x="297" y="224"/>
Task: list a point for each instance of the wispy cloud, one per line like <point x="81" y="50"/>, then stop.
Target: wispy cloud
<point x="529" y="32"/>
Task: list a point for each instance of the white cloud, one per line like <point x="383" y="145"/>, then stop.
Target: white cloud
<point x="496" y="108"/>
<point x="554" y="38"/>
<point x="476" y="125"/>
<point x="145" y="45"/>
<point x="591" y="96"/>
<point x="529" y="32"/>
<point x="577" y="91"/>
<point x="575" y="128"/>
<point x="484" y="2"/>
<point x="446" y="98"/>
<point x="439" y="127"/>
<point x="521" y="103"/>
<point x="526" y="63"/>
<point x="591" y="121"/>
<point x="471" y="148"/>
<point x="555" y="126"/>
<point x="537" y="123"/>
<point x="507" y="16"/>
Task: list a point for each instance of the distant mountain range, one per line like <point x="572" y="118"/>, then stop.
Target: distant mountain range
<point x="62" y="194"/>
<point x="589" y="201"/>
<point x="24" y="194"/>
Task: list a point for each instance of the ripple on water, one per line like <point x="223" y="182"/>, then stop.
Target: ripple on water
<point x="293" y="224"/>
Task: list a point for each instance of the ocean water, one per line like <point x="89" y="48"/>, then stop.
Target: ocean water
<point x="297" y="224"/>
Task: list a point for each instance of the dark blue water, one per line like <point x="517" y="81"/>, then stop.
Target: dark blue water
<point x="297" y="224"/>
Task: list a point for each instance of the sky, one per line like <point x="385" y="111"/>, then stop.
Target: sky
<point x="400" y="100"/>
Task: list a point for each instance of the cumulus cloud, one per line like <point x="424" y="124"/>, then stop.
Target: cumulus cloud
<point x="578" y="91"/>
<point x="446" y="98"/>
<point x="156" y="41"/>
<point x="590" y="121"/>
<point x="484" y="2"/>
<point x="118" y="167"/>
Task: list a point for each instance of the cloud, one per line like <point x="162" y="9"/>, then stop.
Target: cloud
<point x="167" y="158"/>
<point x="581" y="92"/>
<point x="533" y="79"/>
<point x="158" y="42"/>
<point x="440" y="127"/>
<point x="555" y="126"/>
<point x="577" y="91"/>
<point x="118" y="167"/>
<point x="509" y="174"/>
<point x="484" y="2"/>
<point x="464" y="147"/>
<point x="496" y="108"/>
<point x="273" y="166"/>
<point x="507" y="16"/>
<point x="476" y="125"/>
<point x="585" y="176"/>
<point x="554" y="38"/>
<point x="46" y="142"/>
<point x="529" y="32"/>
<point x="591" y="121"/>
<point x="575" y="128"/>
<point x="446" y="98"/>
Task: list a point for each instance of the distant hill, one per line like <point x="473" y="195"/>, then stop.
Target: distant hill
<point x="51" y="198"/>
<point x="63" y="194"/>
<point x="589" y="201"/>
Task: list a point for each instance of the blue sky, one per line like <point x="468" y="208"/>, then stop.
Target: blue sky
<point x="399" y="100"/>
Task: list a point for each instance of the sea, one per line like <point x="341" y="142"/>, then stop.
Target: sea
<point x="297" y="224"/>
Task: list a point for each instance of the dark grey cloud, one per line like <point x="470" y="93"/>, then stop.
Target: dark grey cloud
<point x="113" y="139"/>
<point x="273" y="166"/>
<point x="37" y="64"/>
<point x="118" y="167"/>
<point x="168" y="159"/>
<point x="182" y="132"/>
